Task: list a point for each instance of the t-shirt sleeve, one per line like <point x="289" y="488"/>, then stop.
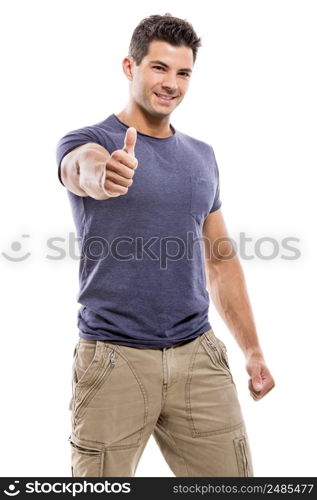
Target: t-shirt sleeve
<point x="217" y="201"/>
<point x="77" y="138"/>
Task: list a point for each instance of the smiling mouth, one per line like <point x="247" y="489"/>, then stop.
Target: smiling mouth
<point x="164" y="97"/>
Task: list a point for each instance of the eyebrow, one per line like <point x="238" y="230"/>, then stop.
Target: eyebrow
<point x="166" y="66"/>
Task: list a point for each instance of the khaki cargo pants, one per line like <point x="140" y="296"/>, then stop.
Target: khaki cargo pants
<point x="184" y="395"/>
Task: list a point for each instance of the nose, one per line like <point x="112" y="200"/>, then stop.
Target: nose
<point x="169" y="83"/>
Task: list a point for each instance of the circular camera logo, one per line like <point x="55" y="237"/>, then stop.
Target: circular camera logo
<point x="12" y="490"/>
<point x="16" y="246"/>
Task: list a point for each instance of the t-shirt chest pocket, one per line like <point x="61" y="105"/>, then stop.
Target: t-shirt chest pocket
<point x="161" y="194"/>
<point x="202" y="195"/>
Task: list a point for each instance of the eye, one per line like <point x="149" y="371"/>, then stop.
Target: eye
<point x="181" y="73"/>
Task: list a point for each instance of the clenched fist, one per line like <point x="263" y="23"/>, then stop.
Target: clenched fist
<point x="121" y="165"/>
<point x="101" y="175"/>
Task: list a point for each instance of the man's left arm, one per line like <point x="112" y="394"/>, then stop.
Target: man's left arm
<point x="227" y="287"/>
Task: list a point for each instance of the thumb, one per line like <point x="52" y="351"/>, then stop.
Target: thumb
<point x="130" y="140"/>
<point x="257" y="381"/>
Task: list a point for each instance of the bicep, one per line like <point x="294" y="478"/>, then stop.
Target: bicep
<point x="217" y="242"/>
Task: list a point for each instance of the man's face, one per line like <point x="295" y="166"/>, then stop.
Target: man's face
<point x="165" y="71"/>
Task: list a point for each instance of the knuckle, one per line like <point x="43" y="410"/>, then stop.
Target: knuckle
<point x="108" y="189"/>
<point x="116" y="154"/>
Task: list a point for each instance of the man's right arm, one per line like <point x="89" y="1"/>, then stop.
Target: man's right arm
<point x="83" y="170"/>
<point x="90" y="170"/>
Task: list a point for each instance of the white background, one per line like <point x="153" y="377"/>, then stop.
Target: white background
<point x="253" y="97"/>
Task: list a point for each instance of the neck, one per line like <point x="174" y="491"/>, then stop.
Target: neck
<point x="145" y="123"/>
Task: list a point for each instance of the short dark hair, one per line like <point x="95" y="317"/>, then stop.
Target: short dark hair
<point x="167" y="28"/>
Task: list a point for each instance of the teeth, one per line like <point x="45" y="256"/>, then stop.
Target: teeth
<point x="166" y="98"/>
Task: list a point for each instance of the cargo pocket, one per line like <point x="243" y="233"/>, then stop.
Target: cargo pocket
<point x="86" y="461"/>
<point x="243" y="456"/>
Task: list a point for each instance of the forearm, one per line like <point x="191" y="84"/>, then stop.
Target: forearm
<point x="228" y="291"/>
<point x="85" y="161"/>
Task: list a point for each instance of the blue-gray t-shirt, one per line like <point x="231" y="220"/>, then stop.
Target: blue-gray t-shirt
<point x="141" y="273"/>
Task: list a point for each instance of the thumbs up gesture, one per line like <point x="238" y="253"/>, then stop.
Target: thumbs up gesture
<point x="130" y="140"/>
<point x="121" y="165"/>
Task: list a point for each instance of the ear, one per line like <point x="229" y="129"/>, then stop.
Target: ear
<point x="128" y="67"/>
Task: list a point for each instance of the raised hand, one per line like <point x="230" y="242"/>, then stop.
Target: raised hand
<point x="121" y="165"/>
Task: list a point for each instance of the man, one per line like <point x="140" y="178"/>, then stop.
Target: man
<point x="144" y="196"/>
